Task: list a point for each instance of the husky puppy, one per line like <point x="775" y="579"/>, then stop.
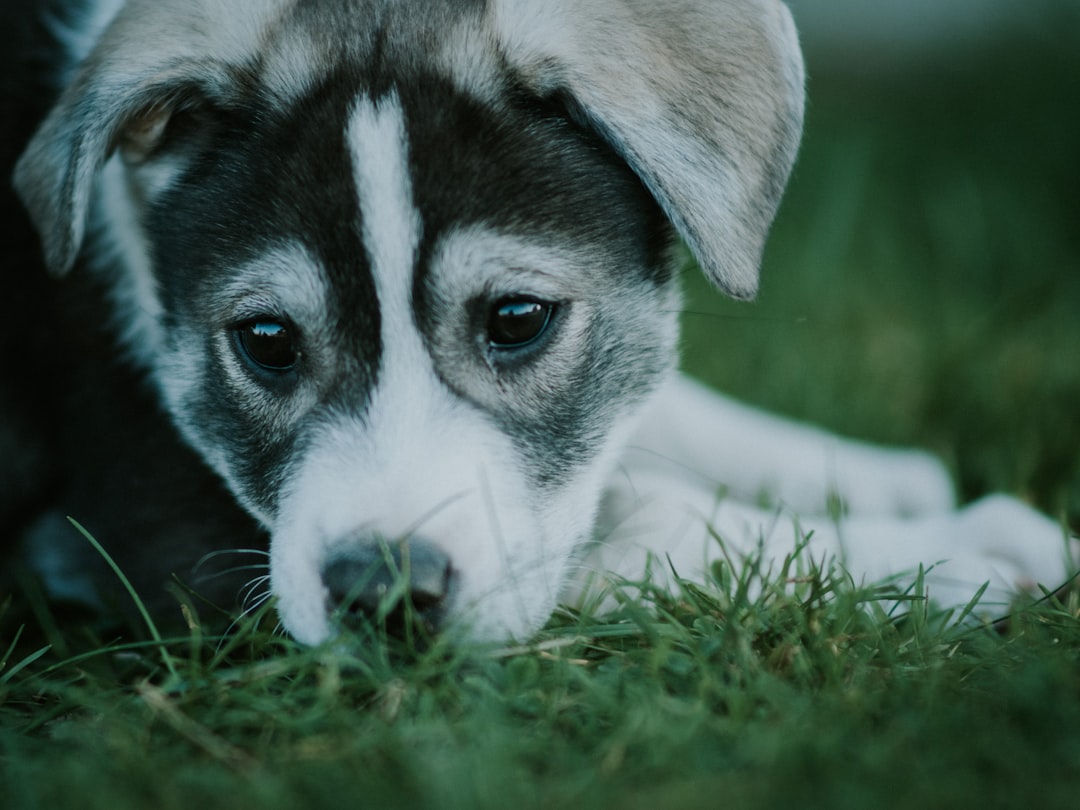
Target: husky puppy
<point x="387" y="289"/>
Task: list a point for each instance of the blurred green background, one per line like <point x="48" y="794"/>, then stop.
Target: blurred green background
<point x="922" y="283"/>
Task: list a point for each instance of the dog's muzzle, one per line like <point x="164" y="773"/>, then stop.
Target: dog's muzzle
<point x="402" y="584"/>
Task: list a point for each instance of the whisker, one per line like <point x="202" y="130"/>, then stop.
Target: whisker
<point x="229" y="571"/>
<point x="250" y="592"/>
<point x="256" y="605"/>
<point x="211" y="555"/>
<point x="256" y="602"/>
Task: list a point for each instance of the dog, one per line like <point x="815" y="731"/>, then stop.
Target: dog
<point x="384" y="291"/>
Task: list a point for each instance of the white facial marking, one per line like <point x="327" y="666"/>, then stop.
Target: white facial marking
<point x="411" y="462"/>
<point x="418" y="460"/>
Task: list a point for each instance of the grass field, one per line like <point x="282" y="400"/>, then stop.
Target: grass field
<point x="922" y="286"/>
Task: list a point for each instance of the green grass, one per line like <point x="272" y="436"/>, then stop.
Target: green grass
<point x="811" y="691"/>
<point x="922" y="286"/>
<point x="922" y="282"/>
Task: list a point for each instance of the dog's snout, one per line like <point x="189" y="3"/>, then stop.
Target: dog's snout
<point x="402" y="583"/>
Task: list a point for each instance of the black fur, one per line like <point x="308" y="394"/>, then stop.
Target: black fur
<point x="81" y="434"/>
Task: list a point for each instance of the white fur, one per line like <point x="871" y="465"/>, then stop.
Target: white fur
<point x="703" y="100"/>
<point x="123" y="252"/>
<point x="716" y="441"/>
<point x="285" y="279"/>
<point x="683" y="500"/>
<point x="418" y="460"/>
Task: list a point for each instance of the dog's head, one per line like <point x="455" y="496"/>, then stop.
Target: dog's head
<point x="402" y="272"/>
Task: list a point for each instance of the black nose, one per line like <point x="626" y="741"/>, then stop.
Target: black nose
<point x="403" y="583"/>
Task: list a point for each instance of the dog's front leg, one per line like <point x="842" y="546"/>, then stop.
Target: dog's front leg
<point x="692" y="432"/>
<point x="657" y="527"/>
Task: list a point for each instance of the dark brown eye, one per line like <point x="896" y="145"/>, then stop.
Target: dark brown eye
<point x="268" y="343"/>
<point x="516" y="321"/>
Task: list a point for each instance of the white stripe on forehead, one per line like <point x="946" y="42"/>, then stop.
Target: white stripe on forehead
<point x="389" y="222"/>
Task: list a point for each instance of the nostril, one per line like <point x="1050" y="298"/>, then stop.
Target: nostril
<point x="357" y="585"/>
<point x="392" y="582"/>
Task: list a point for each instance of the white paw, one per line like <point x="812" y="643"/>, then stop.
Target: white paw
<point x="880" y="481"/>
<point x="997" y="541"/>
<point x="702" y="438"/>
<point x="1005" y="532"/>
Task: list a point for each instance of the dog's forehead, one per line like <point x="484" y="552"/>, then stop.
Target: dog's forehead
<point x="478" y="147"/>
<point x="290" y="46"/>
<point x="394" y="40"/>
<point x="504" y="161"/>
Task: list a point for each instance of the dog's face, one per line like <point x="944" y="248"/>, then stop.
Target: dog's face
<point x="402" y="272"/>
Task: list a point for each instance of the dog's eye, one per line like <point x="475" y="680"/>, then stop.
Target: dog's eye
<point x="517" y="321"/>
<point x="268" y="343"/>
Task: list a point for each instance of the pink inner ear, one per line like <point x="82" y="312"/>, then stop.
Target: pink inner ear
<point x="142" y="134"/>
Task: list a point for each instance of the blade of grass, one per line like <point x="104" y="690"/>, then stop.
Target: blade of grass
<point x="19" y="667"/>
<point x="166" y="657"/>
<point x="11" y="648"/>
<point x="6" y="677"/>
<point x="969" y="608"/>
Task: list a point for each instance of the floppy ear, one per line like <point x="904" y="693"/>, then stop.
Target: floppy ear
<point x="55" y="175"/>
<point x="121" y="97"/>
<point x="101" y="112"/>
<point x="702" y="98"/>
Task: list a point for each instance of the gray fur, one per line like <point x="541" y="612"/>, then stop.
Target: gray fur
<point x="375" y="176"/>
<point x="703" y="98"/>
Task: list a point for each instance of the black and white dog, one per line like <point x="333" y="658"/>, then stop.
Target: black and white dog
<point x="388" y="287"/>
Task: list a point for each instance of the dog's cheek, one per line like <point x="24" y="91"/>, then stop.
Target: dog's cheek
<point x="235" y="427"/>
<point x="624" y="354"/>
